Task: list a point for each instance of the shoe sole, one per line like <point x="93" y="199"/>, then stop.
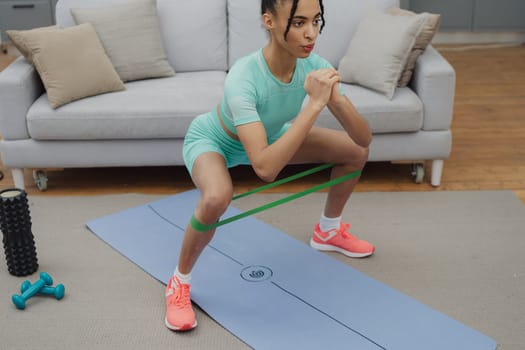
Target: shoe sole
<point x="186" y="327"/>
<point x="332" y="248"/>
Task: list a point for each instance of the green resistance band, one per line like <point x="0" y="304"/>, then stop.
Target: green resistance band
<point x="197" y="225"/>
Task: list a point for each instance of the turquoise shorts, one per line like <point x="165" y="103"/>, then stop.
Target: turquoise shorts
<point x="205" y="134"/>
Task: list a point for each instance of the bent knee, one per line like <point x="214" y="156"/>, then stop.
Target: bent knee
<point x="214" y="203"/>
<point x="357" y="157"/>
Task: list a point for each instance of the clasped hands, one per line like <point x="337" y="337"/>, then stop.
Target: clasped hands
<point x="322" y="86"/>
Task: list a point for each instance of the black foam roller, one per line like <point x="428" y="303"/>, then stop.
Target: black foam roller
<point x="18" y="240"/>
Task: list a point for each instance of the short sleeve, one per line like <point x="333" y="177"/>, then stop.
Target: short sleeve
<point x="240" y="96"/>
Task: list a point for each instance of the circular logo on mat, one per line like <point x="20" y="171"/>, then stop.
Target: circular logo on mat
<point x="256" y="273"/>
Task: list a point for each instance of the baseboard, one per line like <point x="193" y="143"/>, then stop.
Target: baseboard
<point x="516" y="38"/>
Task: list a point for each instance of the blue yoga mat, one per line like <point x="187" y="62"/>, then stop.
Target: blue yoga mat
<point x="274" y="292"/>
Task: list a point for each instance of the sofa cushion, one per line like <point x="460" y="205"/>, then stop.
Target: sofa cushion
<point x="71" y="62"/>
<point x="404" y="113"/>
<point x="18" y="41"/>
<point x="423" y="39"/>
<point x="147" y="109"/>
<point x="379" y="50"/>
<point x="246" y="33"/>
<point x="130" y="34"/>
<point x="205" y="20"/>
<point x="196" y="34"/>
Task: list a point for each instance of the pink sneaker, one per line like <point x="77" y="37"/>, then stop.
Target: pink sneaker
<point x="179" y="313"/>
<point x="341" y="241"/>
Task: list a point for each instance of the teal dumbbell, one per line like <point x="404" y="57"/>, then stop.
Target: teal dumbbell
<point x="20" y="300"/>
<point x="58" y="291"/>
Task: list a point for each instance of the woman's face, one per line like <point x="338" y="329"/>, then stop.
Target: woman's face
<point x="304" y="27"/>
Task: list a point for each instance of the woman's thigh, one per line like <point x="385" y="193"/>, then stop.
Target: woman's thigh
<point x="323" y="145"/>
<point x="211" y="176"/>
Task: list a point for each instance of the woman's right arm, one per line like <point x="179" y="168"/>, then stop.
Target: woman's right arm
<point x="268" y="160"/>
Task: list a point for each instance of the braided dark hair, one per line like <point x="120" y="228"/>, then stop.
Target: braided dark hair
<point x="269" y="5"/>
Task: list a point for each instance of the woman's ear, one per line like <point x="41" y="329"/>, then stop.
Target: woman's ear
<point x="268" y="21"/>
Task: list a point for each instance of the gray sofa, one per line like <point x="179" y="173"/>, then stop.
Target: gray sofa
<point x="145" y="124"/>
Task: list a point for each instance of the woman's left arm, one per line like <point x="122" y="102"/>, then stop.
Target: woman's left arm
<point x="345" y="112"/>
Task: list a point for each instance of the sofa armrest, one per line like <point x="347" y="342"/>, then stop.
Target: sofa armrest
<point x="20" y="86"/>
<point x="434" y="81"/>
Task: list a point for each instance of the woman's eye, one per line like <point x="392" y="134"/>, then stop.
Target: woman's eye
<point x="317" y="22"/>
<point x="298" y="23"/>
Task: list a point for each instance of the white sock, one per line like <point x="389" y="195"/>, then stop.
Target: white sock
<point x="184" y="278"/>
<point x="327" y="224"/>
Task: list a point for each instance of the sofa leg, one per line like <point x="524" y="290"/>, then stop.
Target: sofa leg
<point x="18" y="178"/>
<point x="437" y="170"/>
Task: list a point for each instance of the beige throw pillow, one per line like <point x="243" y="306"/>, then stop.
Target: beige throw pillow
<point x="422" y="41"/>
<point x="379" y="50"/>
<point x="18" y="42"/>
<point x="71" y="62"/>
<point x="131" y="35"/>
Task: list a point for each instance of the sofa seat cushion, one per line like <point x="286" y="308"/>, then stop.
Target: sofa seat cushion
<point x="404" y="113"/>
<point x="153" y="108"/>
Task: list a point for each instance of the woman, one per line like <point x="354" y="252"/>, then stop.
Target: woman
<point x="263" y="92"/>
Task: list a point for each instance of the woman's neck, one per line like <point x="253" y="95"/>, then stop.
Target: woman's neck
<point x="280" y="63"/>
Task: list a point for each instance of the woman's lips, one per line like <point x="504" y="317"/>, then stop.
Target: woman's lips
<point x="308" y="48"/>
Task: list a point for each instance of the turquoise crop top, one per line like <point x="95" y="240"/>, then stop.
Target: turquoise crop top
<point x="252" y="93"/>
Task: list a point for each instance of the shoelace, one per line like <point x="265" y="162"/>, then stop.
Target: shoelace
<point x="342" y="231"/>
<point x="181" y="297"/>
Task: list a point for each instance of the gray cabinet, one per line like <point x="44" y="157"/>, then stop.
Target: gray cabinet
<point x="500" y="14"/>
<point x="474" y="15"/>
<point x="25" y="14"/>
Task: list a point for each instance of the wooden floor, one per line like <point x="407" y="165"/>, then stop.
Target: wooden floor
<point x="488" y="151"/>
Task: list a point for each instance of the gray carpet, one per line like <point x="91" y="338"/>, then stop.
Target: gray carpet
<point x="461" y="253"/>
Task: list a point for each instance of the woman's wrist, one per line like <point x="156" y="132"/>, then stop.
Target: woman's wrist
<point x="315" y="106"/>
<point x="337" y="100"/>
